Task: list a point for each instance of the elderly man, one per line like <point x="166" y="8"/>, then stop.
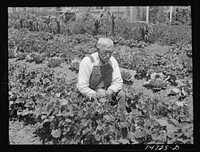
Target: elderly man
<point x="99" y="75"/>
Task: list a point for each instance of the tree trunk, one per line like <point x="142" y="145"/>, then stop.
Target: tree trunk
<point x="21" y="22"/>
<point x="113" y="24"/>
<point x="58" y="26"/>
<point x="107" y="21"/>
<point x="37" y="26"/>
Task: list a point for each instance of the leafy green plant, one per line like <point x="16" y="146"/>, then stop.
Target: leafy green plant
<point x="48" y="95"/>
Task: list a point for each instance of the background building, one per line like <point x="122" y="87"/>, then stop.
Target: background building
<point x="128" y="12"/>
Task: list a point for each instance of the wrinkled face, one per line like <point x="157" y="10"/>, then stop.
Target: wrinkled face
<point x="105" y="49"/>
<point x="105" y="55"/>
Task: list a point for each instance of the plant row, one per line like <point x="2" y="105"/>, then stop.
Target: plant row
<point x="48" y="97"/>
<point x="86" y="23"/>
<point x="41" y="88"/>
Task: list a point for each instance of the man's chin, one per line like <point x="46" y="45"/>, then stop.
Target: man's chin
<point x="105" y="61"/>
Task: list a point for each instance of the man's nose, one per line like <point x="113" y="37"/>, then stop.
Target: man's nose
<point x="108" y="55"/>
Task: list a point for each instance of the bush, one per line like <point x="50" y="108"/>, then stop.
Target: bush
<point x="181" y="16"/>
<point x="84" y="24"/>
<point x="172" y="34"/>
<point x="166" y="34"/>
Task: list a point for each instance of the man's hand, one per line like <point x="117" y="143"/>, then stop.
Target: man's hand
<point x="102" y="100"/>
<point x="109" y="93"/>
<point x="101" y="93"/>
<point x="94" y="96"/>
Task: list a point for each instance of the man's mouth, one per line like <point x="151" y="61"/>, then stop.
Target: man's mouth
<point x="105" y="59"/>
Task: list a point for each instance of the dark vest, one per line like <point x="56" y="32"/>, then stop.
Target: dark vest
<point x="101" y="76"/>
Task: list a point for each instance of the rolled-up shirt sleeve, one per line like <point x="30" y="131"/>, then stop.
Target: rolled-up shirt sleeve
<point x="85" y="69"/>
<point x="117" y="81"/>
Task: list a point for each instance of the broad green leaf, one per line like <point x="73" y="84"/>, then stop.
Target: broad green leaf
<point x="107" y="117"/>
<point x="114" y="142"/>
<point x="71" y="113"/>
<point x="63" y="102"/>
<point x="154" y="135"/>
<point x="112" y="128"/>
<point x="10" y="93"/>
<point x="10" y="103"/>
<point x="180" y="103"/>
<point x="44" y="112"/>
<point x="67" y="142"/>
<point x="159" y="142"/>
<point x="97" y="137"/>
<point x="49" y="106"/>
<point x="52" y="99"/>
<point x="73" y="142"/>
<point x="171" y="134"/>
<point x="151" y="142"/>
<point x="80" y="113"/>
<point x="46" y="120"/>
<point x="112" y="118"/>
<point x="20" y="100"/>
<point x="131" y="136"/>
<point x="70" y="107"/>
<point x="124" y="141"/>
<point x="135" y="112"/>
<point x="56" y="133"/>
<point x="99" y="127"/>
<point x="187" y="130"/>
<point x="175" y="122"/>
<point x="58" y="95"/>
<point x="68" y="120"/>
<point x="84" y="122"/>
<point x="175" y="91"/>
<point x="37" y="112"/>
<point x="60" y="123"/>
<point x="27" y="105"/>
<point x="51" y="118"/>
<point x="162" y="122"/>
<point x="182" y="140"/>
<point x="85" y="131"/>
<point x="171" y="128"/>
<point x="19" y="112"/>
<point x="152" y="117"/>
<point x="125" y="124"/>
<point x="106" y="130"/>
<point x="26" y="112"/>
<point x="43" y="117"/>
<point x="140" y="133"/>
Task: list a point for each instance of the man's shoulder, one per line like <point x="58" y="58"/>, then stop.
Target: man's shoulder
<point x="90" y="57"/>
<point x="95" y="54"/>
<point x="113" y="59"/>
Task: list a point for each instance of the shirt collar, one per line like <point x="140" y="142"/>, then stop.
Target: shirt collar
<point x="99" y="61"/>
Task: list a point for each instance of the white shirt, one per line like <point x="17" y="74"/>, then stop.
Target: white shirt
<point x="85" y="70"/>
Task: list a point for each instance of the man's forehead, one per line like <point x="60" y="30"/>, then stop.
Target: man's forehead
<point x="105" y="41"/>
<point x="105" y="44"/>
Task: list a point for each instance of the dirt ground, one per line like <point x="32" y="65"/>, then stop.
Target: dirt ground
<point x="22" y="134"/>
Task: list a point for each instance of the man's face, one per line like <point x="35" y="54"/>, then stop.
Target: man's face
<point x="105" y="55"/>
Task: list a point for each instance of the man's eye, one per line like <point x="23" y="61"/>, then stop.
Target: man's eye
<point x="107" y="52"/>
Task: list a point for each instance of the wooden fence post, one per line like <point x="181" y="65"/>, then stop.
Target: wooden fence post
<point x="147" y="15"/>
<point x="171" y="9"/>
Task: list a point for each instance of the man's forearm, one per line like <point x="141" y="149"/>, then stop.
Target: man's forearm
<point x="116" y="87"/>
<point x="86" y="91"/>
